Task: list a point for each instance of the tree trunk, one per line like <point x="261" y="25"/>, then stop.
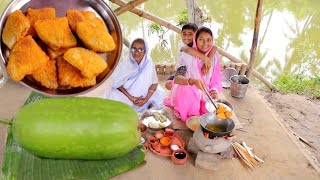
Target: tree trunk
<point x="194" y="12"/>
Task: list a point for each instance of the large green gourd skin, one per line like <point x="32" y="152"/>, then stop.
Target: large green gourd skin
<point x="77" y="128"/>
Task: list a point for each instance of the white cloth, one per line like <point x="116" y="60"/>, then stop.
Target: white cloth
<point x="136" y="79"/>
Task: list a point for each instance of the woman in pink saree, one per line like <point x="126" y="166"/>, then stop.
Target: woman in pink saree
<point x="186" y="96"/>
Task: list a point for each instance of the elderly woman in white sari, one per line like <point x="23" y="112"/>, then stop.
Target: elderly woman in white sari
<point x="135" y="80"/>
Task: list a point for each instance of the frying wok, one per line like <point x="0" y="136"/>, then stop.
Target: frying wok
<point x="226" y="125"/>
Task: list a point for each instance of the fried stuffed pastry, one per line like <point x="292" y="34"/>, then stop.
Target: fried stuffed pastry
<point x="53" y="54"/>
<point x="16" y="27"/>
<point x="39" y="14"/>
<point x="47" y="75"/>
<point x="75" y="16"/>
<point x="55" y="33"/>
<point x="25" y="58"/>
<point x="88" y="62"/>
<point x="94" y="34"/>
<point x="70" y="76"/>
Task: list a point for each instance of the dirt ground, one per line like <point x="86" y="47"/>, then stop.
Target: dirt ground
<point x="263" y="132"/>
<point x="301" y="114"/>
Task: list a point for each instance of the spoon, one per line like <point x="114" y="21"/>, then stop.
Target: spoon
<point x="210" y="98"/>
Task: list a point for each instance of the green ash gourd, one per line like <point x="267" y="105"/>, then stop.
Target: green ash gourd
<point x="77" y="128"/>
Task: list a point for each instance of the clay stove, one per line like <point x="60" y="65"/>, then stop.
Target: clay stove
<point x="209" y="151"/>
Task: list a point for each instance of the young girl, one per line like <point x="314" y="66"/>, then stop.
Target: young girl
<point x="186" y="96"/>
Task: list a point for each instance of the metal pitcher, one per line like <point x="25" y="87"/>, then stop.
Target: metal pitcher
<point x="239" y="85"/>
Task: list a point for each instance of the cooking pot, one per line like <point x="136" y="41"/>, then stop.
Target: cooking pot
<point x="226" y="125"/>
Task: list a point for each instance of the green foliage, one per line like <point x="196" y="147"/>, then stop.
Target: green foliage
<point x="299" y="84"/>
<point x="182" y="17"/>
<point x="154" y="28"/>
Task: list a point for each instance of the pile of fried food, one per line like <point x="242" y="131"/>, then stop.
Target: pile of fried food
<point x="222" y="112"/>
<point x="56" y="51"/>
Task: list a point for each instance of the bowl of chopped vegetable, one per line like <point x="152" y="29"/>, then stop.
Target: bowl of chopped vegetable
<point x="156" y="119"/>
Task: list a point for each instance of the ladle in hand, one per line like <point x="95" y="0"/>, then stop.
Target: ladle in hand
<point x="210" y="98"/>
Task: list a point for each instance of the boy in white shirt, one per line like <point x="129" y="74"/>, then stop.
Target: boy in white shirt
<point x="185" y="46"/>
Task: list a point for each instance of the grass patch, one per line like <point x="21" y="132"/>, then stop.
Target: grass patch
<point x="299" y="85"/>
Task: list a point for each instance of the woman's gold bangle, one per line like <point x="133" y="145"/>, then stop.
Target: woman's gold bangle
<point x="188" y="81"/>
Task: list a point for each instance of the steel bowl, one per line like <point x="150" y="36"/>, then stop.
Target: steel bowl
<point x="226" y="74"/>
<point x="99" y="7"/>
<point x="210" y="108"/>
<point x="193" y="123"/>
<point x="226" y="125"/>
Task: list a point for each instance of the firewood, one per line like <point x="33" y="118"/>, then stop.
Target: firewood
<point x="242" y="158"/>
<point x="247" y="149"/>
<point x="246" y="154"/>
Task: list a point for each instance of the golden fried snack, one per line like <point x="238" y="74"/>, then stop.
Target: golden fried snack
<point x="53" y="54"/>
<point x="94" y="34"/>
<point x="16" y="27"/>
<point x="39" y="14"/>
<point x="71" y="77"/>
<point x="25" y="57"/>
<point x="47" y="75"/>
<point x="88" y="62"/>
<point x="74" y="16"/>
<point x="55" y="33"/>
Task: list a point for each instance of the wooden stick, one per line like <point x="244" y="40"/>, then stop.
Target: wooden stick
<point x="305" y="141"/>
<point x="246" y="154"/>
<point x="242" y="160"/>
<point x="258" y="159"/>
<point x="149" y="16"/>
<point x="243" y="69"/>
<point x="126" y="42"/>
<point x="255" y="38"/>
<point x="128" y="6"/>
<point x="247" y="148"/>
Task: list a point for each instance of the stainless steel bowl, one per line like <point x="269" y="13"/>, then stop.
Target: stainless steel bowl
<point x="226" y="74"/>
<point x="210" y="108"/>
<point x="99" y="7"/>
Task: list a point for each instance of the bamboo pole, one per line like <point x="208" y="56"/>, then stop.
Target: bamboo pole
<point x="128" y="6"/>
<point x="255" y="38"/>
<point x="126" y="42"/>
<point x="254" y="72"/>
<point x="149" y="16"/>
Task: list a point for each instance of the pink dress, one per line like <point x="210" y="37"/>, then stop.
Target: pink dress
<point x="188" y="100"/>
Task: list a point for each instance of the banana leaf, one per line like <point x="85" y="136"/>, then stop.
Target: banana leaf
<point x="19" y="164"/>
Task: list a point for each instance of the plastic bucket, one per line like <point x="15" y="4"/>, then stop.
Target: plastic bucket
<point x="239" y="85"/>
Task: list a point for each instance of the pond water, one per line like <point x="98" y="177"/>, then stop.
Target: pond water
<point x="288" y="38"/>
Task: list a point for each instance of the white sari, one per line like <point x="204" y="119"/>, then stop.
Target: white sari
<point x="136" y="79"/>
